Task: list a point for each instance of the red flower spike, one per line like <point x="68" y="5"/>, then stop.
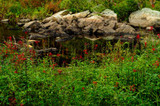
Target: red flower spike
<point x="138" y="36"/>
<point x="145" y="44"/>
<point x="44" y="71"/>
<point x="134" y="70"/>
<point x="83" y="88"/>
<point x="59" y="71"/>
<point x="26" y="32"/>
<point x="153" y="49"/>
<point x="58" y="55"/>
<point x="153" y="5"/>
<point x="16" y="72"/>
<point x="21" y="104"/>
<point x="10" y="38"/>
<point x="95" y="83"/>
<point x="50" y="54"/>
<point x="37" y="42"/>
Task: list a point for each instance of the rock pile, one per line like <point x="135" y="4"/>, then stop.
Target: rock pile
<point x="90" y="25"/>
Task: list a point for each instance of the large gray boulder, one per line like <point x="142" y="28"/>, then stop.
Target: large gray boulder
<point x="145" y="17"/>
<point x="109" y="14"/>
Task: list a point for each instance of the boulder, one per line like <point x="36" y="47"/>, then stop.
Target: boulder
<point x="47" y="25"/>
<point x="145" y="18"/>
<point x="56" y="16"/>
<point x="109" y="14"/>
<point x="124" y="29"/>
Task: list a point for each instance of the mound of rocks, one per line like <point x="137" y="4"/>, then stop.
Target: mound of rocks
<point x="93" y="26"/>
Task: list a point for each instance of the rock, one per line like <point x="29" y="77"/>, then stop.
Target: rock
<point x="5" y="20"/>
<point x="109" y="14"/>
<point x="145" y="18"/>
<point x="47" y="25"/>
<point x="59" y="39"/>
<point x="56" y="16"/>
<point x="24" y="20"/>
<point x="110" y="37"/>
<point x="69" y="18"/>
<point x="36" y="36"/>
<point x="32" y="24"/>
<point x="20" y="24"/>
<point x="124" y="29"/>
<point x="94" y="20"/>
<point x="46" y="50"/>
<point x="92" y="38"/>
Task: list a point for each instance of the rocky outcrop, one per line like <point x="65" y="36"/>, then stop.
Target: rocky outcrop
<point x="64" y="26"/>
<point x="145" y="18"/>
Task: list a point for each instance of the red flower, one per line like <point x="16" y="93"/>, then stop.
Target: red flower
<point x="83" y="88"/>
<point x="117" y="84"/>
<point x="80" y="57"/>
<point x="59" y="71"/>
<point x="37" y="42"/>
<point x="153" y="5"/>
<point x="145" y="44"/>
<point x="26" y="32"/>
<point x="92" y="61"/>
<point x="50" y="54"/>
<point x="20" y="42"/>
<point x="10" y="38"/>
<point x="122" y="58"/>
<point x="21" y="104"/>
<point x="58" y="55"/>
<point x="138" y="36"/>
<point x="16" y="71"/>
<point x="95" y="83"/>
<point x="44" y="71"/>
<point x="134" y="70"/>
<point x="153" y="49"/>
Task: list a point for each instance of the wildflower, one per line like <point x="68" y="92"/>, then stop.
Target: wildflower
<point x="21" y="104"/>
<point x="44" y="71"/>
<point x="158" y="35"/>
<point x="58" y="55"/>
<point x="121" y="36"/>
<point x="132" y="58"/>
<point x="134" y="70"/>
<point x="153" y="5"/>
<point x="50" y="54"/>
<point x="20" y="42"/>
<point x="95" y="46"/>
<point x="95" y="83"/>
<point x="85" y="51"/>
<point x="10" y="38"/>
<point x="145" y="44"/>
<point x="138" y="36"/>
<point x="83" y="88"/>
<point x="117" y="84"/>
<point x="37" y="42"/>
<point x="153" y="49"/>
<point x="26" y="32"/>
<point x="80" y="57"/>
<point x="92" y="61"/>
<point x="16" y="71"/>
<point x="122" y="58"/>
<point x="59" y="71"/>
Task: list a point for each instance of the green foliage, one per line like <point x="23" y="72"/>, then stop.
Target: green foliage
<point x="118" y="77"/>
<point x="125" y="8"/>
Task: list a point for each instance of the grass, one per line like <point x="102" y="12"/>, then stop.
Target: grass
<point x="117" y="76"/>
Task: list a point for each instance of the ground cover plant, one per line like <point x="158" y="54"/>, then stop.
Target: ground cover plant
<point x="118" y="75"/>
